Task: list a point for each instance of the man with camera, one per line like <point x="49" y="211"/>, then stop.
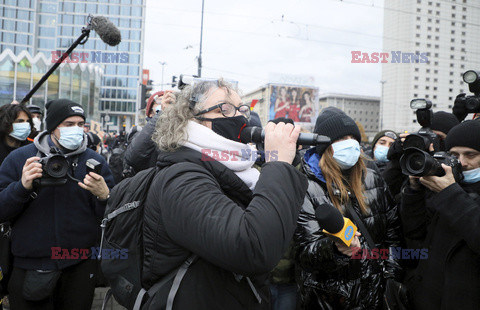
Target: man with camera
<point x="55" y="217"/>
<point x="443" y="214"/>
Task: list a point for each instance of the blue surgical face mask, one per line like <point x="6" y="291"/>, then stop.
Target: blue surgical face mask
<point x="471" y="176"/>
<point x="380" y="153"/>
<point x="71" y="137"/>
<point x="21" y="131"/>
<point x="346" y="153"/>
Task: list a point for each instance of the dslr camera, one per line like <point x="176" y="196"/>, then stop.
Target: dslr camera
<point x="468" y="104"/>
<point x="425" y="136"/>
<point x="416" y="159"/>
<point x="55" y="169"/>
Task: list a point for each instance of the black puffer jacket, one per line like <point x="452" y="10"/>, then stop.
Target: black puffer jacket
<point x="202" y="207"/>
<point x="142" y="152"/>
<point x="329" y="279"/>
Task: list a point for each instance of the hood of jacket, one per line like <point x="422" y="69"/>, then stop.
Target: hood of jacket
<point x="230" y="183"/>
<point x="43" y="142"/>
<point x="311" y="165"/>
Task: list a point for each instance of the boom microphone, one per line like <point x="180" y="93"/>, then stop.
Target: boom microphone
<point x="257" y="135"/>
<point x="339" y="228"/>
<point x="106" y="30"/>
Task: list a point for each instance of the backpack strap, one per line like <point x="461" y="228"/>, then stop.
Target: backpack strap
<point x="177" y="276"/>
<point x="178" y="279"/>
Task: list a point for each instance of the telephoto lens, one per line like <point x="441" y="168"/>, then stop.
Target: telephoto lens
<point x="416" y="162"/>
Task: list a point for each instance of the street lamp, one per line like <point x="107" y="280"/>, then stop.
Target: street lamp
<point x="163" y="66"/>
<point x="380" y="119"/>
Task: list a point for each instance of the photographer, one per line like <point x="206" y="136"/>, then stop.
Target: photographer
<point x="142" y="152"/>
<point x="237" y="220"/>
<point x="441" y="124"/>
<point x="65" y="215"/>
<point x="444" y="215"/>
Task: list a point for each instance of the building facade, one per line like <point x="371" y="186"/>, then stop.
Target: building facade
<point x="364" y="110"/>
<point x="51" y="26"/>
<point x="79" y="82"/>
<point x="447" y="33"/>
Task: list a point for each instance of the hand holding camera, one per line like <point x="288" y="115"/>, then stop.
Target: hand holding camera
<point x="437" y="184"/>
<point x="31" y="170"/>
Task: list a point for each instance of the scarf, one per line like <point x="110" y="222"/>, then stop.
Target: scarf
<point x="236" y="156"/>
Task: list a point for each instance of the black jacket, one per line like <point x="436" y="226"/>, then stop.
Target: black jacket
<point x="4" y="150"/>
<point x="447" y="225"/>
<point x="142" y="152"/>
<point x="325" y="275"/>
<point x="65" y="216"/>
<point x="202" y="207"/>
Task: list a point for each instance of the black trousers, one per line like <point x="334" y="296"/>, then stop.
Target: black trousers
<point x="74" y="290"/>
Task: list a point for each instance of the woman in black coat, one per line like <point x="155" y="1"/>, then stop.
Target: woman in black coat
<point x="328" y="276"/>
<point x="210" y="201"/>
<point x="15" y="126"/>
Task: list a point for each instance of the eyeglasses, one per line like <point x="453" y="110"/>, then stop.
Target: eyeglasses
<point x="229" y="110"/>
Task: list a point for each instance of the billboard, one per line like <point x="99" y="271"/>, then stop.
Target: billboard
<point x="296" y="102"/>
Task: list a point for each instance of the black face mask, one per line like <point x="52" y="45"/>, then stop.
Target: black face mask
<point x="229" y="127"/>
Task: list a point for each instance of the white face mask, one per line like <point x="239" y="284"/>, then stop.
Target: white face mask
<point x="37" y="123"/>
<point x="346" y="153"/>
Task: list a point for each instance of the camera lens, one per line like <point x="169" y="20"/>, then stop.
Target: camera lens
<point x="416" y="162"/>
<point x="472" y="105"/>
<point x="416" y="141"/>
<point x="56" y="166"/>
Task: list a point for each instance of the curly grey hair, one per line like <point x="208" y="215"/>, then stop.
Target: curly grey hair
<point x="171" y="128"/>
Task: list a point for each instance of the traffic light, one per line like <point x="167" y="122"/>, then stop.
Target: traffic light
<point x="174" y="81"/>
<point x="145" y="93"/>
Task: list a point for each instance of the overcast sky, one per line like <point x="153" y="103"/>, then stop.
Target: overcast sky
<point x="252" y="41"/>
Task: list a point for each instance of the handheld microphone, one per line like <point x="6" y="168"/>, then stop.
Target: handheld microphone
<point x="257" y="135"/>
<point x="106" y="30"/>
<point x="337" y="227"/>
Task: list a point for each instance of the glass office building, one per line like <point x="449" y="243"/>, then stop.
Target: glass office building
<point x="79" y="82"/>
<point x="49" y="26"/>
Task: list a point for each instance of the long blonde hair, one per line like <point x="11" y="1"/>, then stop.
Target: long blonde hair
<point x="335" y="178"/>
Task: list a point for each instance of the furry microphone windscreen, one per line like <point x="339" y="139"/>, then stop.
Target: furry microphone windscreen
<point x="106" y="30"/>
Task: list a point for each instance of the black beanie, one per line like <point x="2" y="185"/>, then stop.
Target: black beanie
<point x="443" y="121"/>
<point x="384" y="133"/>
<point x="465" y="134"/>
<point x="60" y="109"/>
<point x="335" y="124"/>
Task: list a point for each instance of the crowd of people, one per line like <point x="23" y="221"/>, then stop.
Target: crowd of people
<point x="252" y="221"/>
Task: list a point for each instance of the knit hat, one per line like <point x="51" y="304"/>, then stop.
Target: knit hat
<point x="443" y="121"/>
<point x="384" y="133"/>
<point x="465" y="134"/>
<point x="60" y="109"/>
<point x="335" y="124"/>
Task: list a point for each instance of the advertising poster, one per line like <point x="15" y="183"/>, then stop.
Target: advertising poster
<point x="295" y="102"/>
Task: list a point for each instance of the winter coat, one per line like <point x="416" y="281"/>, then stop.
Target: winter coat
<point x="142" y="152"/>
<point x="446" y="225"/>
<point x="64" y="216"/>
<point x="202" y="207"/>
<point x="5" y="149"/>
<point x="329" y="279"/>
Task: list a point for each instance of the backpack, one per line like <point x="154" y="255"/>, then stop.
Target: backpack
<point x="121" y="247"/>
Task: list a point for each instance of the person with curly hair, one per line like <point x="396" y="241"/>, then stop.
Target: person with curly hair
<point x="15" y="126"/>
